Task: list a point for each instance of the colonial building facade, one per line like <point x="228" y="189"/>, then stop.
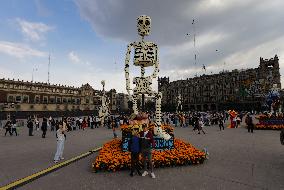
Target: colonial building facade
<point x="33" y="97"/>
<point x="238" y="89"/>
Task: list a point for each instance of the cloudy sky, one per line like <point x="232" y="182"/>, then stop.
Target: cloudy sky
<point x="87" y="39"/>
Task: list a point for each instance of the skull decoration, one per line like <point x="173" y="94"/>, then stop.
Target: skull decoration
<point x="103" y="82"/>
<point x="143" y="25"/>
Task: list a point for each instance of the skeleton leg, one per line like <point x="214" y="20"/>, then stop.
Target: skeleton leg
<point x="126" y="68"/>
<point x="134" y="107"/>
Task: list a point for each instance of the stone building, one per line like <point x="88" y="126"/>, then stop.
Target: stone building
<point x="122" y="102"/>
<point x="238" y="89"/>
<point x="28" y="98"/>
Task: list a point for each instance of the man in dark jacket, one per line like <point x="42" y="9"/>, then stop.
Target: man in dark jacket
<point x="30" y="125"/>
<point x="8" y="127"/>
<point x="249" y="123"/>
<point x="147" y="143"/>
<point x="44" y="127"/>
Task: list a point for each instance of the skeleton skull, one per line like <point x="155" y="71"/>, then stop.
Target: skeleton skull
<point x="143" y="25"/>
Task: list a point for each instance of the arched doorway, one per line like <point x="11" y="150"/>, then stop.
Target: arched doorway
<point x="205" y="107"/>
<point x="198" y="107"/>
<point x="213" y="107"/>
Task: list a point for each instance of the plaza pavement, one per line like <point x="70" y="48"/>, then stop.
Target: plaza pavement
<point x="238" y="160"/>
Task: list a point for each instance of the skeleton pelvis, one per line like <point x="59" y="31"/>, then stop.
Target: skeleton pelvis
<point x="143" y="63"/>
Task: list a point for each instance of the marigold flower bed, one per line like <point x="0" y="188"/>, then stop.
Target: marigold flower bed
<point x="112" y="158"/>
<point x="269" y="127"/>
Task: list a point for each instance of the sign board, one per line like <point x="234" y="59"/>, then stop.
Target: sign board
<point x="160" y="144"/>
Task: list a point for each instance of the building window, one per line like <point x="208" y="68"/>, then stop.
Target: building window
<point x="58" y="100"/>
<point x="37" y="99"/>
<point x="78" y="101"/>
<point x="52" y="100"/>
<point x="45" y="100"/>
<point x="87" y="100"/>
<point x="26" y="99"/>
<point x="64" y="100"/>
<point x="69" y="100"/>
<point x="73" y="101"/>
<point x="10" y="98"/>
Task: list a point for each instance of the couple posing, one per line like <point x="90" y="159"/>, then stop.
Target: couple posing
<point x="141" y="143"/>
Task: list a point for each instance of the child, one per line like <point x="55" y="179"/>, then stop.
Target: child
<point x="113" y="129"/>
<point x="134" y="147"/>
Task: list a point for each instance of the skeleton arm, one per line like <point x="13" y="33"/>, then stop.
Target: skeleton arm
<point x="157" y="65"/>
<point x="126" y="68"/>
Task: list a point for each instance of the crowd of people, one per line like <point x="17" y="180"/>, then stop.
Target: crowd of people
<point x="60" y="126"/>
<point x="196" y="120"/>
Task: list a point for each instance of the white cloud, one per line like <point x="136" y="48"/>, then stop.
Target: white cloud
<point x="34" y="31"/>
<point x="19" y="50"/>
<point x="73" y="57"/>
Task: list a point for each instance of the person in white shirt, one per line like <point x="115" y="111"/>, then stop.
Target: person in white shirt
<point x="201" y="125"/>
<point x="60" y="143"/>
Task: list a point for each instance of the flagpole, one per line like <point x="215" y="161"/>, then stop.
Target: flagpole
<point x="194" y="42"/>
<point x="48" y="69"/>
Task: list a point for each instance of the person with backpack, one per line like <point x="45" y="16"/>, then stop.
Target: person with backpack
<point x="134" y="148"/>
<point x="249" y="123"/>
<point x="8" y="127"/>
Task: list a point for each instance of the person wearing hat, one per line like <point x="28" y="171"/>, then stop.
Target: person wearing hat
<point x="147" y="143"/>
<point x="60" y="142"/>
<point x="249" y="123"/>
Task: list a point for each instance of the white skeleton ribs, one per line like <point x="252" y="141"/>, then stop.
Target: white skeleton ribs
<point x="145" y="55"/>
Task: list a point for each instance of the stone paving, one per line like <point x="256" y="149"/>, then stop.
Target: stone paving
<point x="238" y="160"/>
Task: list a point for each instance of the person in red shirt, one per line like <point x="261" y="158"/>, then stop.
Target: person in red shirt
<point x="147" y="143"/>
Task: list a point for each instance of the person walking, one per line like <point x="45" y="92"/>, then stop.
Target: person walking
<point x="30" y="125"/>
<point x="201" y="126"/>
<point x="221" y="123"/>
<point x="147" y="142"/>
<point x="134" y="148"/>
<point x="84" y="124"/>
<point x="60" y="136"/>
<point x="238" y="120"/>
<point x="14" y="128"/>
<point x="44" y="127"/>
<point x="249" y="123"/>
<point x="8" y="128"/>
<point x="52" y="124"/>
<point x="37" y="124"/>
<point x="91" y="121"/>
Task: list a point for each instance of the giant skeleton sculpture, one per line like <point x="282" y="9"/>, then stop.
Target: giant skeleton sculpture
<point x="104" y="109"/>
<point x="145" y="55"/>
